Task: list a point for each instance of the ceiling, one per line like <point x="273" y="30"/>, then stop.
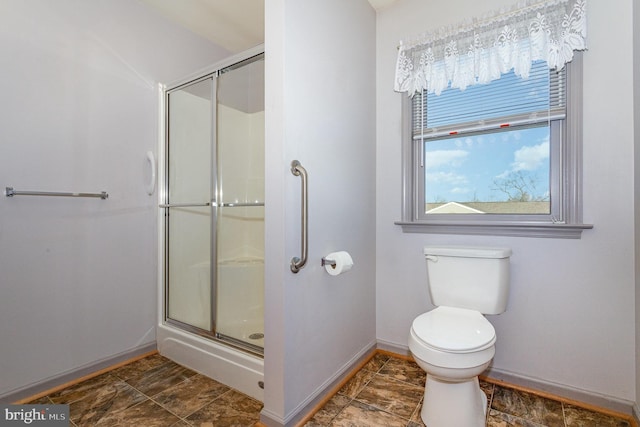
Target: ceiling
<point x="234" y="25"/>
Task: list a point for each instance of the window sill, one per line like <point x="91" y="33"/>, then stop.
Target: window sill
<point x="513" y="229"/>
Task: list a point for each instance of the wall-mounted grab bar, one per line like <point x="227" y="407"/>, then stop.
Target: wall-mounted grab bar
<point x="298" y="263"/>
<point x="10" y="192"/>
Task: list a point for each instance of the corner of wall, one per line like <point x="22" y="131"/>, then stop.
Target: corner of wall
<point x="636" y="198"/>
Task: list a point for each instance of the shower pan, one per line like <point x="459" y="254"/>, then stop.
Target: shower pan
<point x="212" y="231"/>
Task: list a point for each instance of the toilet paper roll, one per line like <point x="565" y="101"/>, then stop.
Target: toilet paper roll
<point x="343" y="263"/>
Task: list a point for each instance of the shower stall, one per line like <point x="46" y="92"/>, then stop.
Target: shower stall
<point x="212" y="224"/>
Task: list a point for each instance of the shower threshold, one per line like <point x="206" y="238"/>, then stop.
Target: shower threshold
<point x="233" y="365"/>
<point x="256" y="349"/>
<point x="243" y="345"/>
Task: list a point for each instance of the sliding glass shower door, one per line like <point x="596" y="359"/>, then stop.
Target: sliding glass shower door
<point x="214" y="207"/>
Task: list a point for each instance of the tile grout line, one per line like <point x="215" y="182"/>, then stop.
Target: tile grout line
<point x="351" y="399"/>
<point x="564" y="418"/>
<point x="175" y="385"/>
<point x="147" y="396"/>
<point x="417" y="412"/>
<point x="385" y="377"/>
<point x="192" y="412"/>
<point x="167" y="409"/>
<point x="489" y="403"/>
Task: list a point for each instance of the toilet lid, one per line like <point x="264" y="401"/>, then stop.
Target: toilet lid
<point x="454" y="330"/>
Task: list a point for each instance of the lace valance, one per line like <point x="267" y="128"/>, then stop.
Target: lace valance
<point x="480" y="50"/>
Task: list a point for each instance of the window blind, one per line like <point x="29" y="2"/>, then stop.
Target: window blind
<point x="508" y="101"/>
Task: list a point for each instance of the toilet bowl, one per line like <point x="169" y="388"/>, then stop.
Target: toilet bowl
<point x="454" y="343"/>
<point x="453" y="346"/>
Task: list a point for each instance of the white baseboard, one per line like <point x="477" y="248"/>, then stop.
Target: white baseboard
<point x="401" y="349"/>
<point x="562" y="391"/>
<point x="73" y="374"/>
<point x="270" y="419"/>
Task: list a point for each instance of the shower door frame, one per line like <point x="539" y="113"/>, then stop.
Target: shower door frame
<point x="214" y="203"/>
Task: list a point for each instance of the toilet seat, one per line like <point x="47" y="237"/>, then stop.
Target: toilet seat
<point x="454" y="330"/>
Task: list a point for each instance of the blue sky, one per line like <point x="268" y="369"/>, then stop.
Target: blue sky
<point x="466" y="168"/>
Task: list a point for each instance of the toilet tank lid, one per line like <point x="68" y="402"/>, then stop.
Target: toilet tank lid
<point x="467" y="252"/>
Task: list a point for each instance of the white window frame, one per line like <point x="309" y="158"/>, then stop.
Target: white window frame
<point x="565" y="219"/>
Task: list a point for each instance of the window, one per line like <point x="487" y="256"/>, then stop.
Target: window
<point x="501" y="158"/>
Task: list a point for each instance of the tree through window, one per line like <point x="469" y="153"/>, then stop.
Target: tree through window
<point x="497" y="158"/>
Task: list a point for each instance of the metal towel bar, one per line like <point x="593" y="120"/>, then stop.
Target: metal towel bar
<point x="10" y="192"/>
<point x="298" y="263"/>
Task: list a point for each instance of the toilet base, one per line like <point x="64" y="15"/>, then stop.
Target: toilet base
<point x="453" y="404"/>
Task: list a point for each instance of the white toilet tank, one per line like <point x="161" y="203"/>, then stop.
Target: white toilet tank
<point x="469" y="277"/>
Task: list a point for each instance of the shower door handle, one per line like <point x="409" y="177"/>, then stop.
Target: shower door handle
<point x="298" y="263"/>
<point x="151" y="185"/>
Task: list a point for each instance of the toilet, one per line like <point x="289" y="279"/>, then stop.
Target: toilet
<point x="454" y="342"/>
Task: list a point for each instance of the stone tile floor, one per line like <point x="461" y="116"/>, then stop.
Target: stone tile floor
<point x="386" y="392"/>
<point x="155" y="392"/>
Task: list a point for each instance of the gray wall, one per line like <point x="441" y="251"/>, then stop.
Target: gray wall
<point x="320" y="106"/>
<point x="636" y="186"/>
<point x="571" y="315"/>
<point x="78" y="276"/>
<point x="78" y="113"/>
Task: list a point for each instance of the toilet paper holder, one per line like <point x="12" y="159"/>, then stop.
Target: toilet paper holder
<point x="330" y="262"/>
<point x="336" y="263"/>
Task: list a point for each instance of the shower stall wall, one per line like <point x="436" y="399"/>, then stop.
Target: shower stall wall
<point x="213" y="229"/>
